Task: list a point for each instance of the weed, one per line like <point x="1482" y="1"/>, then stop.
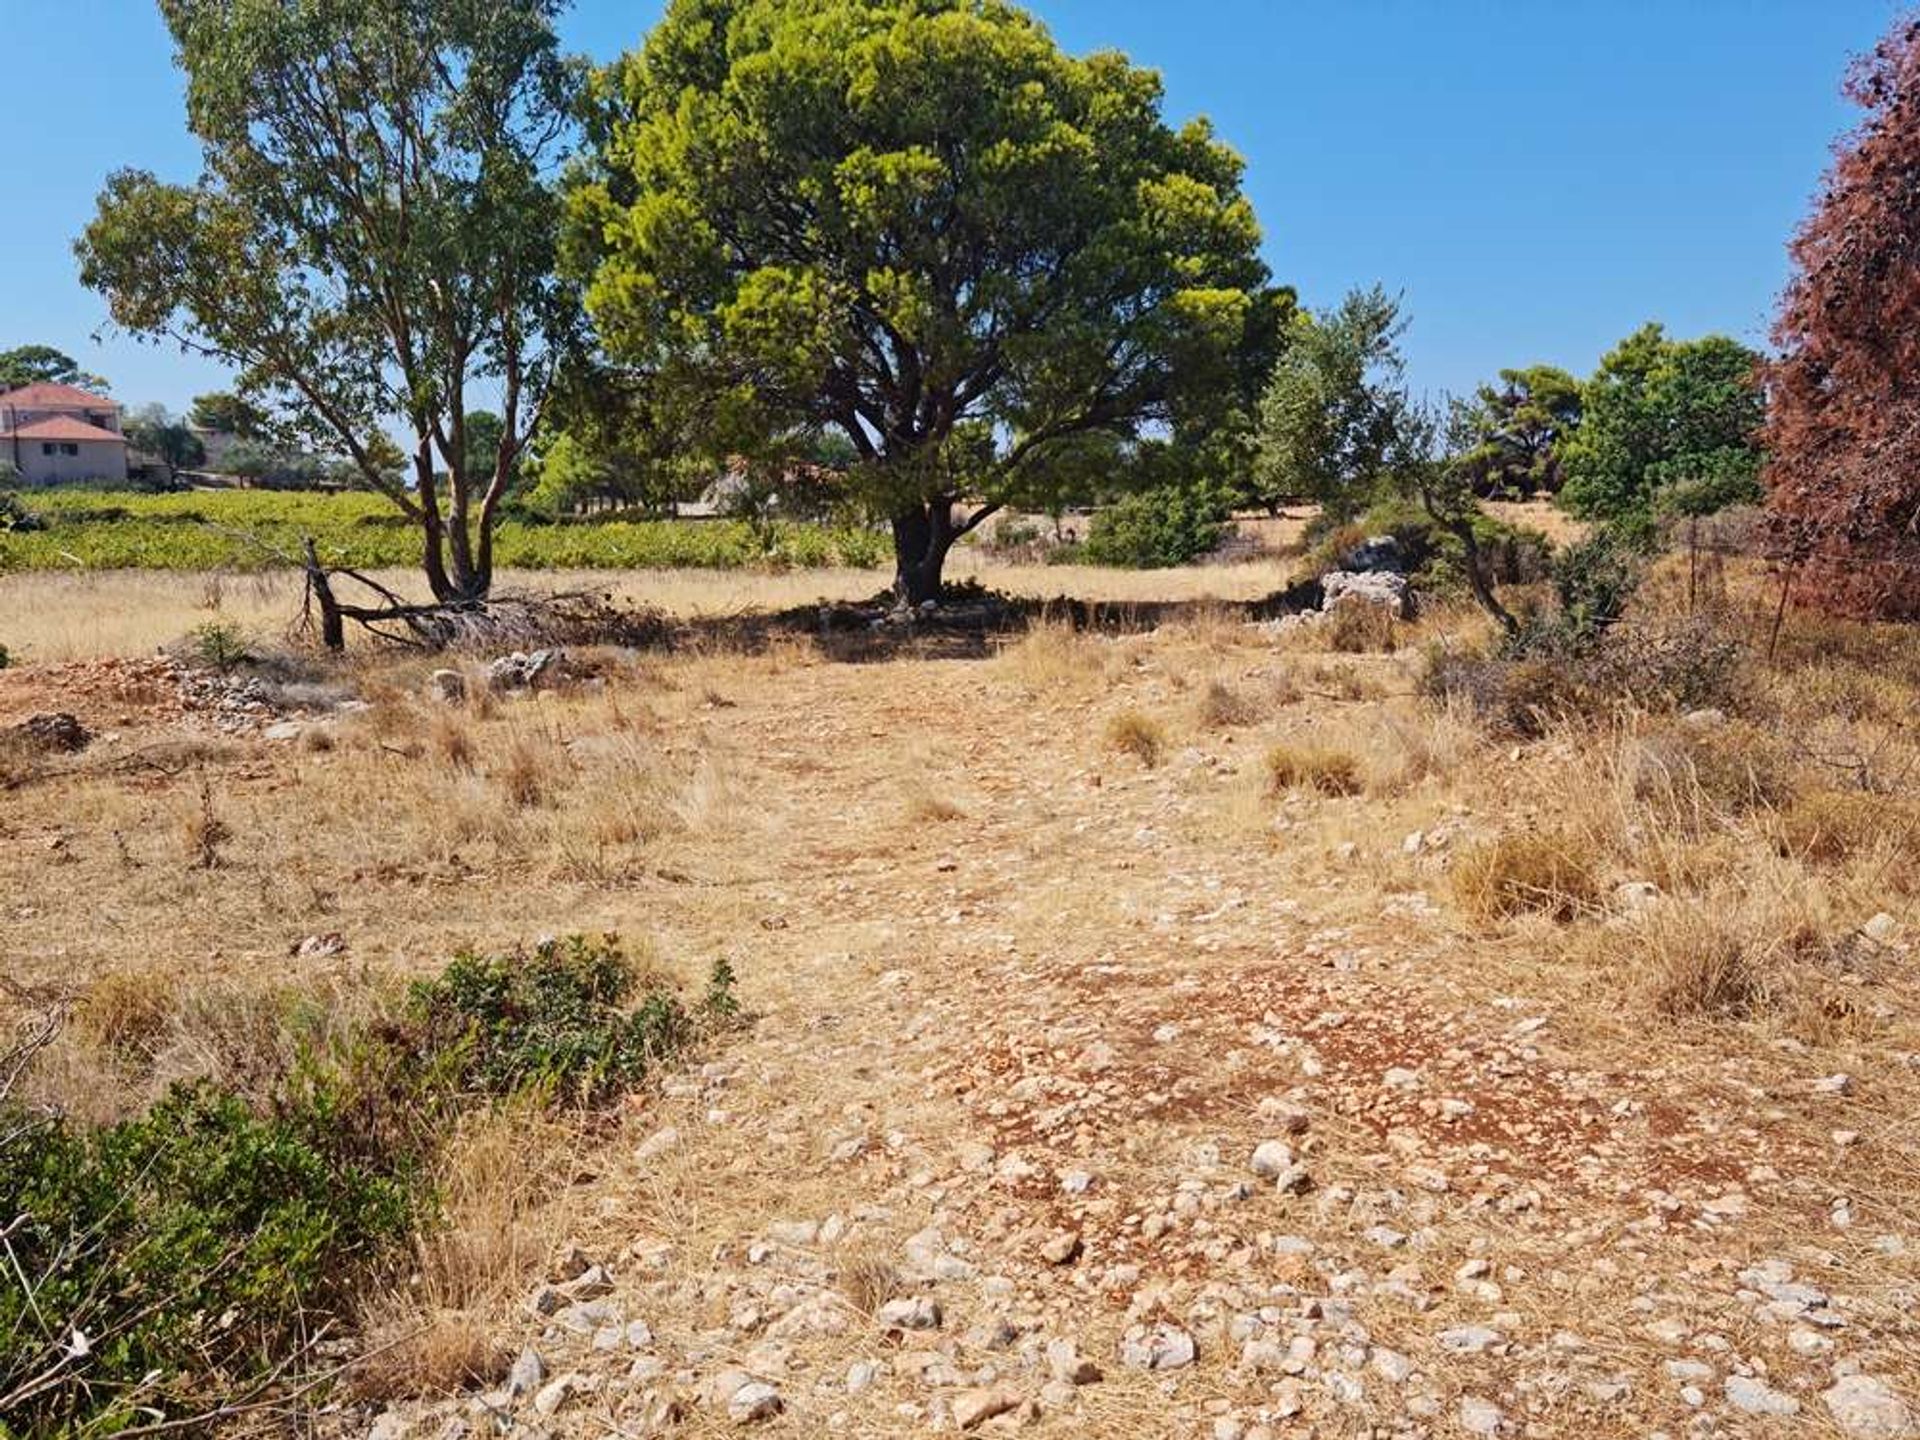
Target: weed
<point x="1224" y="708"/>
<point x="205" y="831"/>
<point x="218" y="644"/>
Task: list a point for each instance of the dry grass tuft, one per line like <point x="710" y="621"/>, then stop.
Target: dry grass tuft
<point x="1133" y="733"/>
<point x="1555" y="873"/>
<point x="867" y="1280"/>
<point x="527" y="773"/>
<point x="1358" y="628"/>
<point x="204" y="831"/>
<point x="933" y="809"/>
<point x="450" y="739"/>
<point x="1313" y="767"/>
<point x="1832" y="827"/>
<point x="1224" y="708"/>
<point x="1053" y="657"/>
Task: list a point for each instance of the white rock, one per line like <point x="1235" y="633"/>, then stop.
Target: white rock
<point x="1881" y="929"/>
<point x="756" y="1400"/>
<point x="1866" y="1408"/>
<point x="974" y="1407"/>
<point x="910" y="1313"/>
<point x="1478" y="1416"/>
<point x="1164" y="1347"/>
<point x="1757" y="1398"/>
<point x="1469" y="1339"/>
<point x="1271" y="1159"/>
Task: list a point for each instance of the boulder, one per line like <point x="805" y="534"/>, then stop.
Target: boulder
<point x="1367" y="587"/>
<point x="1374" y="554"/>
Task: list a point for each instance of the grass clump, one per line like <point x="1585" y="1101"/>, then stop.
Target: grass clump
<point x="187" y="1255"/>
<point x="1224" y="708"/>
<point x="1139" y="735"/>
<point x="1313" y="767"/>
<point x="1555" y="874"/>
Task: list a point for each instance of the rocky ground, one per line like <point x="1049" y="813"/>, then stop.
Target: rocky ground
<point x="1093" y="1097"/>
<point x="1075" y="1111"/>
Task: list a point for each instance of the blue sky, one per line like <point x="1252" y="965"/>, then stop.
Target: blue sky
<point x="1536" y="178"/>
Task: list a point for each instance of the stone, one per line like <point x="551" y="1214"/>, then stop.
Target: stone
<point x="526" y="1373"/>
<point x="1757" y="1398"/>
<point x="1391" y="1365"/>
<point x="1469" y="1339"/>
<point x="1866" y="1408"/>
<point x="1833" y="1085"/>
<point x="1376" y="552"/>
<point x="557" y="1392"/>
<point x="55" y="733"/>
<point x="282" y="731"/>
<point x="1066" y="1364"/>
<point x="449" y="687"/>
<point x="1881" y="929"/>
<point x="1478" y="1416"/>
<point x="755" y="1400"/>
<point x="915" y="1312"/>
<point x="1164" y="1347"/>
<point x="1294" y="1180"/>
<point x="1271" y="1159"/>
<point x="972" y="1408"/>
<point x="1061" y="1249"/>
<point x="1380" y="588"/>
<point x="656" y="1145"/>
<point x="1631" y="897"/>
<point x="522" y="671"/>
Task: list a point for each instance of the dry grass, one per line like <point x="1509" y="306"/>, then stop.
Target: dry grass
<point x="1221" y="707"/>
<point x="1135" y="733"/>
<point x="1551" y="873"/>
<point x="1318" y="768"/>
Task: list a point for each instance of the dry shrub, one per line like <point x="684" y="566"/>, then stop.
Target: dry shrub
<point x="528" y="770"/>
<point x="1139" y="735"/>
<point x="440" y="1331"/>
<point x="1313" y="767"/>
<point x="1830" y="827"/>
<point x="1053" y="656"/>
<point x="1552" y="873"/>
<point x="1224" y="708"/>
<point x="1692" y="774"/>
<point x="1443" y="740"/>
<point x="1357" y="627"/>
<point x="868" y="1280"/>
<point x="204" y="831"/>
<point x="1343" y="682"/>
<point x="1743" y="951"/>
<point x="450" y="739"/>
<point x="317" y="740"/>
<point x="124" y="1013"/>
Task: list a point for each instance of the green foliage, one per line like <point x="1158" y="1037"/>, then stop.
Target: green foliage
<point x="228" y="414"/>
<point x="1514" y="431"/>
<point x="1331" y="423"/>
<point x="218" y="643"/>
<point x="175" y="1259"/>
<point x="15" y="517"/>
<point x="1660" y="417"/>
<point x="152" y="431"/>
<point x="1432" y="552"/>
<point x="42" y="364"/>
<point x="1593" y="580"/>
<point x="1174" y="525"/>
<point x="173" y="1251"/>
<point x="372" y="236"/>
<point x="253" y="530"/>
<point x="6" y="657"/>
<point x="551" y="1021"/>
<point x="923" y="224"/>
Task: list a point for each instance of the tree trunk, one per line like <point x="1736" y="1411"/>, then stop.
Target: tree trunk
<point x="922" y="535"/>
<point x="333" y="633"/>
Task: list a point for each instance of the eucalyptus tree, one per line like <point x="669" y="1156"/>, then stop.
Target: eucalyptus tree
<point x="371" y="239"/>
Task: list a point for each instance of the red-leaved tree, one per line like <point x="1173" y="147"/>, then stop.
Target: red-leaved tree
<point x="1843" y="425"/>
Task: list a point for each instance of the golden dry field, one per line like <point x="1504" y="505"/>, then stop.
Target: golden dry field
<point x="1210" y="1029"/>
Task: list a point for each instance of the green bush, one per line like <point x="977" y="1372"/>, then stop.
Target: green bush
<point x="181" y="1257"/>
<point x="218" y="644"/>
<point x="1155" y="529"/>
<point x="551" y="1021"/>
<point x="1434" y="557"/>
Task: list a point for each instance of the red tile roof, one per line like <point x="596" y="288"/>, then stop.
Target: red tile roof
<point x="64" y="427"/>
<point x="47" y="396"/>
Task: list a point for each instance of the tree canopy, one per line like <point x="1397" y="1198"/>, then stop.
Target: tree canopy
<point x="1335" y="406"/>
<point x="1514" y="430"/>
<point x="153" y="431"/>
<point x="42" y="364"/>
<point x="1665" y="421"/>
<point x="922" y="224"/>
<point x="1843" y="430"/>
<point x="225" y="413"/>
<point x="372" y="235"/>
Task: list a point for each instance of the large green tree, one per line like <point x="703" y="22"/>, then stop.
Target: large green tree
<point x="153" y="431"/>
<point x="922" y="224"/>
<point x="373" y="236"/>
<point x="1665" y="422"/>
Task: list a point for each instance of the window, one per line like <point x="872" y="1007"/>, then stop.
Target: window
<point x="70" y="449"/>
<point x="46" y="447"/>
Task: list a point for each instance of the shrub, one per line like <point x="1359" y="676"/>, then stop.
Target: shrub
<point x="552" y="1021"/>
<point x="1830" y="827"/>
<point x="1174" y="525"/>
<point x="217" y="644"/>
<point x="1224" y="708"/>
<point x="1728" y="770"/>
<point x="1554" y="874"/>
<point x="1312" y="767"/>
<point x="185" y="1256"/>
<point x="1432" y="555"/>
<point x="1138" y="735"/>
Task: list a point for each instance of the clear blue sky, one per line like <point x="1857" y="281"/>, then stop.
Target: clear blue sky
<point x="1537" y="178"/>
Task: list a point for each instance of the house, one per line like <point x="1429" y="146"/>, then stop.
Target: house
<point x="54" y="433"/>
